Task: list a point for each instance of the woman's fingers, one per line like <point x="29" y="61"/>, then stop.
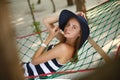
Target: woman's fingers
<point x="54" y="31"/>
<point x="56" y="28"/>
<point x="81" y="14"/>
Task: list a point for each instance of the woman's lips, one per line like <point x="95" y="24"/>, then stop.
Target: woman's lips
<point x="66" y="33"/>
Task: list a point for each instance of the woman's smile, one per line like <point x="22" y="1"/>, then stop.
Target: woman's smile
<point x="66" y="32"/>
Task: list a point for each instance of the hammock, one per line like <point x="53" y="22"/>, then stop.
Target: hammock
<point x="104" y="23"/>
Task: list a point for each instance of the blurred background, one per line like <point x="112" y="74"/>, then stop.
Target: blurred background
<point x="104" y="21"/>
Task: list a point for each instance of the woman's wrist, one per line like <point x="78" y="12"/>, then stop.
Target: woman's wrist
<point x="48" y="40"/>
<point x="43" y="45"/>
<point x="51" y="36"/>
<point x="50" y="20"/>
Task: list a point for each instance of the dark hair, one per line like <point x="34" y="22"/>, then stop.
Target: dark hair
<point x="77" y="47"/>
<point x="10" y="68"/>
<point x="65" y="15"/>
<point x="74" y="58"/>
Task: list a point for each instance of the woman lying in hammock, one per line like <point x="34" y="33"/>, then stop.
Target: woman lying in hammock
<point x="75" y="32"/>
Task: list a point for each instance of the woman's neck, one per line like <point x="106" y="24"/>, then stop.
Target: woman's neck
<point x="70" y="42"/>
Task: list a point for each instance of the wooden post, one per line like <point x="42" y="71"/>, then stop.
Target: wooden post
<point x="69" y="2"/>
<point x="39" y="1"/>
<point x="35" y="23"/>
<point x="10" y="68"/>
<point x="98" y="49"/>
<point x="80" y="5"/>
<point x="53" y="4"/>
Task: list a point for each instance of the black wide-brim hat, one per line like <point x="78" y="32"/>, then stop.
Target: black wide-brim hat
<point x="65" y="15"/>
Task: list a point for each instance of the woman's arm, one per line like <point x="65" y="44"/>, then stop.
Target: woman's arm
<point x="52" y="33"/>
<point x="61" y="52"/>
<point x="42" y="48"/>
<point x="49" y="22"/>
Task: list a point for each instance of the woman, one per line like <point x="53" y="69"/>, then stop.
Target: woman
<point x="75" y="32"/>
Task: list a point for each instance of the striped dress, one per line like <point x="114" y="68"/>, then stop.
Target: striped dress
<point x="43" y="68"/>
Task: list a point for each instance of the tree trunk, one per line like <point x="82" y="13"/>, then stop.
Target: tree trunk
<point x="39" y="1"/>
<point x="53" y="4"/>
<point x="69" y="2"/>
<point x="80" y="5"/>
<point x="10" y="68"/>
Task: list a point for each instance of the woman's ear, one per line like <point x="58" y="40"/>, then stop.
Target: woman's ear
<point x="79" y="35"/>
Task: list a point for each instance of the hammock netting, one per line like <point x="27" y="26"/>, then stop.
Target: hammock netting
<point x="104" y="23"/>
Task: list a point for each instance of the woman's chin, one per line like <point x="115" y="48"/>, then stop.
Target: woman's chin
<point x="68" y="37"/>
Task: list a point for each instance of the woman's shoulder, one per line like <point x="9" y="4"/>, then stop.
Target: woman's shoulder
<point x="66" y="52"/>
<point x="65" y="46"/>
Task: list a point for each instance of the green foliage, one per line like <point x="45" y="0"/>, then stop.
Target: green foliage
<point x="37" y="29"/>
<point x="33" y="6"/>
<point x="35" y="23"/>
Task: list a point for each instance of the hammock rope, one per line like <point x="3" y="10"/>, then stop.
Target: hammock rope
<point x="104" y="23"/>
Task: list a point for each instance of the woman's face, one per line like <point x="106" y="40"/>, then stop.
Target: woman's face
<point x="72" y="29"/>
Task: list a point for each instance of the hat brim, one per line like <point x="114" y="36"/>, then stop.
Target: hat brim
<point x="66" y="15"/>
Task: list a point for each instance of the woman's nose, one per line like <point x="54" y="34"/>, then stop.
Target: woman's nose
<point x="70" y="27"/>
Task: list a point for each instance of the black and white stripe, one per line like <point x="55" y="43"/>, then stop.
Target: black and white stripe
<point x="44" y="68"/>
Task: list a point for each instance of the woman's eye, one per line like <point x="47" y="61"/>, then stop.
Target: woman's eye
<point x="68" y="24"/>
<point x="74" y="27"/>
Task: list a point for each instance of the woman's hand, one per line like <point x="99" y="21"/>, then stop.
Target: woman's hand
<point x="53" y="31"/>
<point x="81" y="14"/>
<point x="49" y="21"/>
